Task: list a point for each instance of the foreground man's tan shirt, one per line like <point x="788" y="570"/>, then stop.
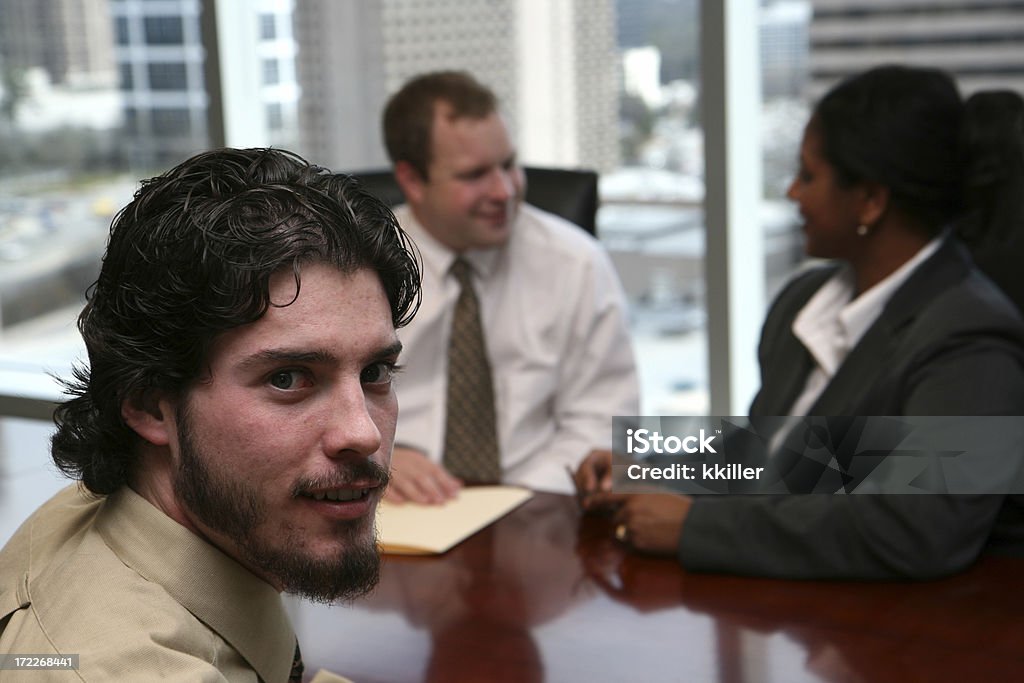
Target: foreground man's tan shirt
<point x="137" y="596"/>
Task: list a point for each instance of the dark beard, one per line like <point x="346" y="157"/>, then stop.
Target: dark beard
<point x="235" y="511"/>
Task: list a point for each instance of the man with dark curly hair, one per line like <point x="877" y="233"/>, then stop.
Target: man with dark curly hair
<point x="232" y="433"/>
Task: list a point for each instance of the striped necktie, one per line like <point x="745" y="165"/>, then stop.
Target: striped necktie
<point x="471" y="435"/>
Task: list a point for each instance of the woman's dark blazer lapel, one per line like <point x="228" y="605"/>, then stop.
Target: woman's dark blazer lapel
<point x="847" y="392"/>
<point x="785" y="363"/>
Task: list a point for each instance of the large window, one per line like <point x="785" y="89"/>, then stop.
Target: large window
<point x="73" y="148"/>
<point x="621" y="95"/>
<point x="652" y="218"/>
<point x="613" y="85"/>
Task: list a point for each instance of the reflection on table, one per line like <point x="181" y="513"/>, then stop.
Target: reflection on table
<point x="546" y="594"/>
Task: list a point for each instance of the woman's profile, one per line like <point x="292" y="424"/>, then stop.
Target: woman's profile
<point x="898" y="322"/>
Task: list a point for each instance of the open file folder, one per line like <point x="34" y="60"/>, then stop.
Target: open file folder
<point x="411" y="529"/>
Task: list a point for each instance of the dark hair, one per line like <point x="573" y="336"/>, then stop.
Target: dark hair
<point x="409" y="114"/>
<point x="898" y="126"/>
<point x="191" y="257"/>
<point x="993" y="133"/>
<point x="993" y="225"/>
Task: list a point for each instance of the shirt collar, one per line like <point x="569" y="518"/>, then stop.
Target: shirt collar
<point x="832" y="321"/>
<point x="439" y="258"/>
<point x="243" y="609"/>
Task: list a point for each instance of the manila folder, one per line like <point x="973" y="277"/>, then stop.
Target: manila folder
<point x="412" y="529"/>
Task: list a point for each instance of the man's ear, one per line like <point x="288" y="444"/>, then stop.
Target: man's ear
<point x="874" y="203"/>
<point x="151" y="415"/>
<point x="410" y="180"/>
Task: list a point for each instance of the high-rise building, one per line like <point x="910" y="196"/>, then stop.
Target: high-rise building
<point x="784" y="47"/>
<point x="980" y="42"/>
<point x="551" y="63"/>
<point x="70" y="39"/>
<point x="162" y="57"/>
<point x="672" y="26"/>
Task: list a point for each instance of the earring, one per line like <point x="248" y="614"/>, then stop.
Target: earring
<point x="862" y="230"/>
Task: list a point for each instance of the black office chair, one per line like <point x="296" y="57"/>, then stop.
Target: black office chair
<point x="571" y="194"/>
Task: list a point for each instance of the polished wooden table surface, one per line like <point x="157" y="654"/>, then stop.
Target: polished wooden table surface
<point x="545" y="594"/>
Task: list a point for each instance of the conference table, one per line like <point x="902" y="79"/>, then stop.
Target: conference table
<point x="547" y="594"/>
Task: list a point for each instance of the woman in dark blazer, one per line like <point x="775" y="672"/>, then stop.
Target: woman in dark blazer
<point x="900" y="323"/>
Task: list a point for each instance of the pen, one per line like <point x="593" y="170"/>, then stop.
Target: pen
<point x="580" y="495"/>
